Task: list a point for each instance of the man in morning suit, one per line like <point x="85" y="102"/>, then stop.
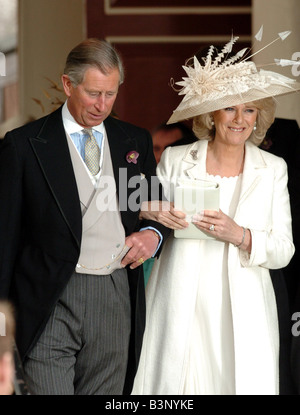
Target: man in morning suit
<point x="71" y="244"/>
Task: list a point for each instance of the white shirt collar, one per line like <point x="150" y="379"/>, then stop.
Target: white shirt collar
<point x="71" y="126"/>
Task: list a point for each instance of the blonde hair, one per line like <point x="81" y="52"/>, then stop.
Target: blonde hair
<point x="205" y="130"/>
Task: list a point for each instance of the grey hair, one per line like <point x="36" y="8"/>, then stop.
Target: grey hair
<point x="205" y="130"/>
<point x="92" y="53"/>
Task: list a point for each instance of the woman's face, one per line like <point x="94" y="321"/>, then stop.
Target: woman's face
<point x="235" y="124"/>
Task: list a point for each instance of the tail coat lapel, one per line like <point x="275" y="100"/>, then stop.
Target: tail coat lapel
<point x="51" y="149"/>
<point x="120" y="143"/>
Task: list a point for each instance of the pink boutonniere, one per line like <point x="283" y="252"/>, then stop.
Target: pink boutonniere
<point x="132" y="156"/>
<point x="266" y="144"/>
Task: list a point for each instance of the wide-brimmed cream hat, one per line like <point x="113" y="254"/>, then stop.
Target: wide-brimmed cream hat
<point x="223" y="82"/>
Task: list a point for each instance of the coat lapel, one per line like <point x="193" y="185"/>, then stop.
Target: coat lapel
<point x="52" y="152"/>
<point x="195" y="156"/>
<point x="254" y="168"/>
<point x="120" y="143"/>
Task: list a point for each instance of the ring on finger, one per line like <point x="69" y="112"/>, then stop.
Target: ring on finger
<point x="212" y="227"/>
<point x="141" y="260"/>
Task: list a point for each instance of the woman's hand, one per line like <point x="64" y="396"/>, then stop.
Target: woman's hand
<point x="222" y="227"/>
<point x="164" y="213"/>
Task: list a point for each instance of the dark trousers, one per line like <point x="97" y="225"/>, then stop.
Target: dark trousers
<point x="84" y="347"/>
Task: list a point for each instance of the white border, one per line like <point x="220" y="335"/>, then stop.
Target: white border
<point x="175" y="10"/>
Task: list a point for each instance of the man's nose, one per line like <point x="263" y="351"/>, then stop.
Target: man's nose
<point x="100" y="103"/>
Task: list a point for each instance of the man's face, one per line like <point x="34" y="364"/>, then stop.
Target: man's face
<point x="91" y="102"/>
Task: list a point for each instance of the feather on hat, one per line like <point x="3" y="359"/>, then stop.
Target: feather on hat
<point x="223" y="82"/>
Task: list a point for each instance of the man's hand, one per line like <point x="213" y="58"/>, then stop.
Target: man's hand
<point x="142" y="246"/>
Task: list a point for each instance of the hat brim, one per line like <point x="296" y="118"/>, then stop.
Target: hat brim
<point x="187" y="110"/>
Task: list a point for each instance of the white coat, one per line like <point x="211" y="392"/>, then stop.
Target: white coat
<point x="264" y="208"/>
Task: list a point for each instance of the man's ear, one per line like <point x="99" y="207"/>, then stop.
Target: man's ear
<point x="67" y="85"/>
<point x="7" y="373"/>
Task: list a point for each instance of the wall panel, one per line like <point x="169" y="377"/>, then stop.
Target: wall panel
<point x="155" y="38"/>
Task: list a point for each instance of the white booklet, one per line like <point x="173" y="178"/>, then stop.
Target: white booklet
<point x="191" y="197"/>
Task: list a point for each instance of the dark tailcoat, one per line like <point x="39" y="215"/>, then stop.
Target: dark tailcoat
<point x="41" y="221"/>
<point x="283" y="140"/>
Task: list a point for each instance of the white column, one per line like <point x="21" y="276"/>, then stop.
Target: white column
<point x="278" y="16"/>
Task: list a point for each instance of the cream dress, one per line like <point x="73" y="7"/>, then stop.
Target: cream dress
<point x="209" y="346"/>
<point x="210" y="359"/>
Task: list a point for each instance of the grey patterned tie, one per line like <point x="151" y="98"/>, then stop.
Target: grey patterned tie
<point x="91" y="152"/>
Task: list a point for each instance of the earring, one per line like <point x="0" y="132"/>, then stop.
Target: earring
<point x="254" y="128"/>
<point x="212" y="121"/>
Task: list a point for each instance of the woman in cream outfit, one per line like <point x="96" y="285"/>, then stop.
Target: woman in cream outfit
<point x="212" y="325"/>
<point x="218" y="291"/>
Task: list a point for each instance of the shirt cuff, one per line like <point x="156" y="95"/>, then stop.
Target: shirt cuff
<point x="160" y="238"/>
